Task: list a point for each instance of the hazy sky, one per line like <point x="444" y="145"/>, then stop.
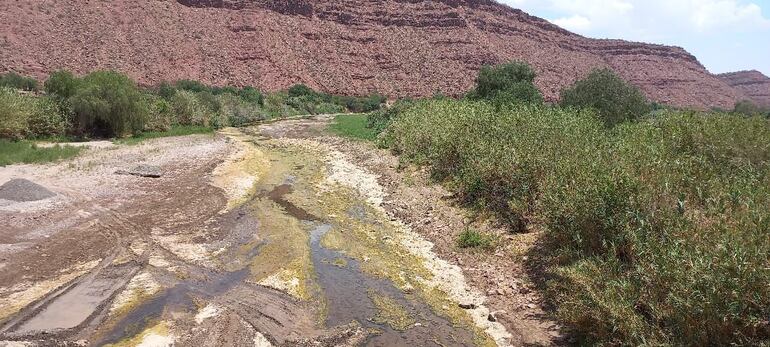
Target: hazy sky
<point x="725" y="35"/>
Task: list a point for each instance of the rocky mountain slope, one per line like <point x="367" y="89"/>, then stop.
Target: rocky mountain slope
<point x="395" y="47"/>
<point x="754" y="84"/>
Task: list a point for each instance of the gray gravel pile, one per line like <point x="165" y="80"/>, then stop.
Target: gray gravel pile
<point x="24" y="190"/>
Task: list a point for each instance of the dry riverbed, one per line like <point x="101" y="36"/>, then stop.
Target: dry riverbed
<point x="273" y="235"/>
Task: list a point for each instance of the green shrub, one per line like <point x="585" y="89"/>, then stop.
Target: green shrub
<point x="507" y="83"/>
<point x="160" y="115"/>
<point x="62" y="85"/>
<point x="616" y="100"/>
<point x="107" y="103"/>
<point x="251" y="95"/>
<point x="187" y="109"/>
<point x="166" y="91"/>
<point x="14" y="80"/>
<point x="239" y="112"/>
<point x="470" y="238"/>
<point x="192" y="86"/>
<point x="300" y="90"/>
<point x="352" y="126"/>
<point x="657" y="229"/>
<point x="47" y="119"/>
<point x="747" y="108"/>
<point x="15" y="111"/>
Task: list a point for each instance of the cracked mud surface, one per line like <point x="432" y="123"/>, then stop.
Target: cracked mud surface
<point x="273" y="235"/>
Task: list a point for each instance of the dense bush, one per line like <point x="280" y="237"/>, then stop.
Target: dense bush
<point x="24" y="116"/>
<point x="507" y="83"/>
<point x="658" y="229"/>
<point x="14" y="80"/>
<point x="748" y="108"/>
<point x="15" y="111"/>
<point x="61" y="85"/>
<point x="616" y="100"/>
<point x="107" y="103"/>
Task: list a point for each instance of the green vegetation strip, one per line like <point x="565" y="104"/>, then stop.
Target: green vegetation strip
<point x="27" y="152"/>
<point x="174" y="131"/>
<point x="353" y="126"/>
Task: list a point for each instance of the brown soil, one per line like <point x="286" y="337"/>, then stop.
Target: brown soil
<point x="394" y="47"/>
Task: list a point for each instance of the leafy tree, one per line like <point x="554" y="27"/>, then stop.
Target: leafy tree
<point x="616" y="100"/>
<point x="61" y="84"/>
<point x="301" y="90"/>
<point x="108" y="103"/>
<point x="252" y="95"/>
<point x="193" y="86"/>
<point x="511" y="82"/>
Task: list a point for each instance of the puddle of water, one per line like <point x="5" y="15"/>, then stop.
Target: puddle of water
<point x="348" y="293"/>
<point x="76" y="305"/>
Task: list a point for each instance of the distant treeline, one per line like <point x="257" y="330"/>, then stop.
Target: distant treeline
<point x="110" y="104"/>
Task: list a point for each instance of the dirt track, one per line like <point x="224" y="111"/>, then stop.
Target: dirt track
<point x="277" y="235"/>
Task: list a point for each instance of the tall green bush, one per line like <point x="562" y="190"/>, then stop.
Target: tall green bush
<point x="61" y="84"/>
<point x="108" y="103"/>
<point x="616" y="100"/>
<point x="15" y="111"/>
<point x="507" y="83"/>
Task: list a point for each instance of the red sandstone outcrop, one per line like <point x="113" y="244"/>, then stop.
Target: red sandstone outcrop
<point x="395" y="47"/>
<point x="753" y="84"/>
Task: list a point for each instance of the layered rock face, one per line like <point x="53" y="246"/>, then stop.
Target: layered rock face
<point x="394" y="47"/>
<point x="753" y="84"/>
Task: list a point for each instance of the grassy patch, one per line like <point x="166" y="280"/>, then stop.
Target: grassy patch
<point x="470" y="238"/>
<point x="26" y="152"/>
<point x="353" y="126"/>
<point x="174" y="131"/>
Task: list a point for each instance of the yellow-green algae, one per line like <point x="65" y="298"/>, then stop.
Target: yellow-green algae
<point x="374" y="242"/>
<point x="160" y="329"/>
<point x="390" y="312"/>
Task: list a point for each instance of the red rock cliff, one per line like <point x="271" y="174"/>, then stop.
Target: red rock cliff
<point x="753" y="84"/>
<point x="395" y="47"/>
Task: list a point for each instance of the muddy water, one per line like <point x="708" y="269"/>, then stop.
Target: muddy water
<point x="350" y="294"/>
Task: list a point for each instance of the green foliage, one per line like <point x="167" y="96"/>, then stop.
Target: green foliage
<point x="187" y="109"/>
<point x="507" y="83"/>
<point x="14" y="80"/>
<point x="616" y="100"/>
<point x="166" y="91"/>
<point x="160" y="115"/>
<point x="23" y="116"/>
<point x="657" y="229"/>
<point x="471" y="238"/>
<point x="192" y="86"/>
<point x="15" y="111"/>
<point x="239" y="112"/>
<point x="108" y="103"/>
<point x="177" y="130"/>
<point x="747" y="108"/>
<point x="47" y="119"/>
<point x="353" y="126"/>
<point x="61" y="84"/>
<point x="12" y="152"/>
<point x="300" y="90"/>
<point x="251" y="95"/>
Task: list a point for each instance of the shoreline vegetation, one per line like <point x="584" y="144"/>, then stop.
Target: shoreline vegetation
<point x="109" y="105"/>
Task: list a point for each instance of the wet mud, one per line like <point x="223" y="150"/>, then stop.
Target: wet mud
<point x="300" y="261"/>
